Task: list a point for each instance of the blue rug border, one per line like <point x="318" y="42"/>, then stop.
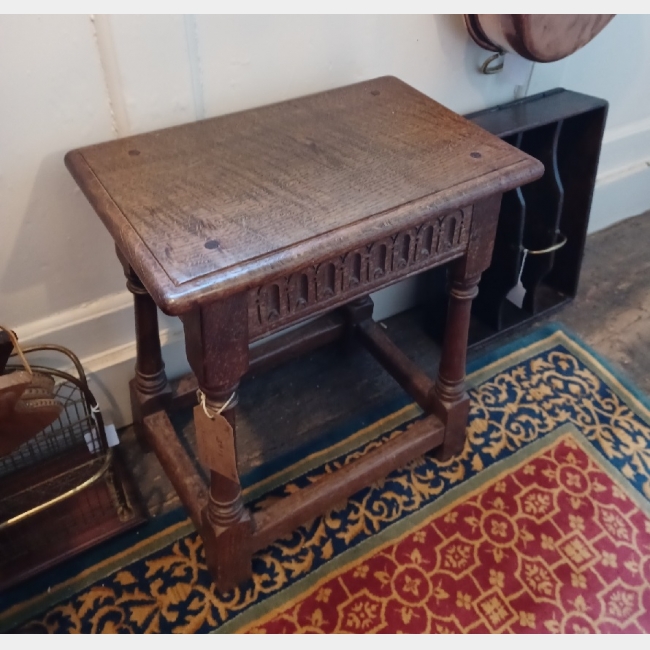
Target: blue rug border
<point x="544" y="331"/>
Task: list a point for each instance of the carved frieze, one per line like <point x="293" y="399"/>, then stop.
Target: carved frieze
<point x="357" y="272"/>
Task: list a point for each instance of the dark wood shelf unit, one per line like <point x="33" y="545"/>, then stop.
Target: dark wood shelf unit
<point x="564" y="130"/>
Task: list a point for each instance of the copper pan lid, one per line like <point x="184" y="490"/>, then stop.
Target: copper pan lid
<point x="537" y="37"/>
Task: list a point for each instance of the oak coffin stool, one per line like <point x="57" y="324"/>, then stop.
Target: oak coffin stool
<point x="245" y="224"/>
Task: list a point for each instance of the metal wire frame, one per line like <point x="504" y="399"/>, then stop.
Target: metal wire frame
<point x="79" y="424"/>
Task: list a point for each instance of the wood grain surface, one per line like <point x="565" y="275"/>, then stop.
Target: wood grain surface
<point x="211" y="208"/>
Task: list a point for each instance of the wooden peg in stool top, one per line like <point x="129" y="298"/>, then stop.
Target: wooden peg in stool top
<point x="27" y="403"/>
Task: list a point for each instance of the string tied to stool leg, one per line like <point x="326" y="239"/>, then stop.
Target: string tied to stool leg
<point x="200" y="395"/>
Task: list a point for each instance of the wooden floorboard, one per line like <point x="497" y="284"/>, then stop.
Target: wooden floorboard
<point x="302" y="400"/>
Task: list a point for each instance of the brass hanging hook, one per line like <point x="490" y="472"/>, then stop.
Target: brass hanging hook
<point x="487" y="68"/>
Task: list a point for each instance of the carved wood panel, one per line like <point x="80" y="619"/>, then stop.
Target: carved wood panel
<point x="357" y="272"/>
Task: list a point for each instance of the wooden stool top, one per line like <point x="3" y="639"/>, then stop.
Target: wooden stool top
<point x="208" y="209"/>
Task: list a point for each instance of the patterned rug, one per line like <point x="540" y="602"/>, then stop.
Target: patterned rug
<point x="541" y="525"/>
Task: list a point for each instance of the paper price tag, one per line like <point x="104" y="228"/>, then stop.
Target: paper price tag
<point x="215" y="441"/>
<point x="517" y="294"/>
<point x="92" y="437"/>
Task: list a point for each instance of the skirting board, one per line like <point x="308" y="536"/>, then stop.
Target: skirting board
<point x="620" y="194"/>
<point x="623" y="182"/>
<point x="107" y="325"/>
<point x="101" y="333"/>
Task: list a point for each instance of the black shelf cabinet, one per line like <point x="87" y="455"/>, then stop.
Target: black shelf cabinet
<point x="564" y="130"/>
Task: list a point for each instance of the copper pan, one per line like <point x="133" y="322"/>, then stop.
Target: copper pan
<point x="537" y="37"/>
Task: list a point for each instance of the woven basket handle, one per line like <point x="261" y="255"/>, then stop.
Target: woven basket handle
<point x="14" y="341"/>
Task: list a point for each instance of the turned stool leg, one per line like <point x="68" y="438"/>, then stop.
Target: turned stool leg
<point x="150" y="390"/>
<point x="451" y="400"/>
<point x="216" y="340"/>
<point x="227" y="525"/>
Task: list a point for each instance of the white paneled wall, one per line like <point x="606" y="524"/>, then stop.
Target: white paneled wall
<point x="68" y="81"/>
<point x="53" y="254"/>
<point x="615" y="66"/>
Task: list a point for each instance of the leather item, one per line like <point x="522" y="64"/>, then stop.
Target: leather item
<point x="27" y="406"/>
<point x="536" y="37"/>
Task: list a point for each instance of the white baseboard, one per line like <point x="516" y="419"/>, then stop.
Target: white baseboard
<point x="623" y="182"/>
<point x="101" y="333"/>
<point x="620" y="194"/>
<point x="110" y="371"/>
<point x="623" y="146"/>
